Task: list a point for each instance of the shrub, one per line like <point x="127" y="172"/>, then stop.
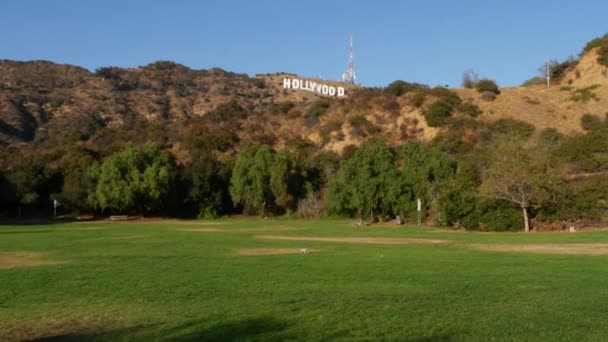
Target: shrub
<point x="438" y="113"/>
<point x="590" y="122"/>
<point x="601" y="44"/>
<point x="311" y="121"/>
<point x="469" y="108"/>
<point x="361" y="126"/>
<point x="584" y="199"/>
<point x="512" y="127"/>
<point x="488" y="96"/>
<point x="470" y="79"/>
<point x="558" y="70"/>
<point x="311" y="207"/>
<point x="486" y="85"/>
<point x="319" y="108"/>
<point x="531" y="101"/>
<point x="398" y="88"/>
<point x="282" y="107"/>
<point x="551" y="137"/>
<point x="585" y="94"/>
<point x="586" y="151"/>
<point x="446" y="95"/>
<point x="417" y="99"/>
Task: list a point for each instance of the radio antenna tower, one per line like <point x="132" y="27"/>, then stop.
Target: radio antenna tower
<point x="349" y="75"/>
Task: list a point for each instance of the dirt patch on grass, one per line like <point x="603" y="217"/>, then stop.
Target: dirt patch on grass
<point x="269" y="251"/>
<point x="360" y="240"/>
<point x="62" y="329"/>
<point x="10" y="260"/>
<point x="77" y="229"/>
<point x="564" y="249"/>
<point x="128" y="237"/>
<point x="239" y="230"/>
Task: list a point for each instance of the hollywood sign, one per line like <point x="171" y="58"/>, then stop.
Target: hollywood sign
<point x="313" y="87"/>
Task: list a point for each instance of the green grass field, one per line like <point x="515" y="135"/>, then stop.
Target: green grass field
<point x="189" y="280"/>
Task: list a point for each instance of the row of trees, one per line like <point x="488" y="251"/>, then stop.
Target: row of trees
<point x="374" y="182"/>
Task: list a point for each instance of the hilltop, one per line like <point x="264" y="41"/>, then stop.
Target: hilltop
<point x="43" y="103"/>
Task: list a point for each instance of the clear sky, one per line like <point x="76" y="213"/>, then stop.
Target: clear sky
<point x="430" y="42"/>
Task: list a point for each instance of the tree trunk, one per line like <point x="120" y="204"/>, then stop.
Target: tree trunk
<point x="526" y="220"/>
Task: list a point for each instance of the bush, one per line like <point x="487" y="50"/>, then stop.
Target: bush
<point x="446" y="95"/>
<point x="469" y="108"/>
<point x="590" y="122"/>
<point x="469" y="79"/>
<point x="207" y="213"/>
<point x="531" y="101"/>
<point x="588" y="152"/>
<point x="319" y="108"/>
<point x="486" y="85"/>
<point x="584" y="199"/>
<point x="488" y="96"/>
<point x="417" y="99"/>
<point x="551" y="137"/>
<point x="585" y="94"/>
<point x="464" y="209"/>
<point x="438" y="113"/>
<point x="311" y="207"/>
<point x="512" y="127"/>
<point x="282" y="107"/>
<point x="361" y="126"/>
<point x="399" y="88"/>
<point x="558" y="70"/>
<point x="601" y="44"/>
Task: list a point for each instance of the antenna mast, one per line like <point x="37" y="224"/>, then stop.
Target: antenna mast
<point x="349" y="75"/>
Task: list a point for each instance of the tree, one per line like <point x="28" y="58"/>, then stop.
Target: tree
<point x="518" y="175"/>
<point x="469" y="79"/>
<point x="425" y="170"/>
<point x="363" y="186"/>
<point x="76" y="181"/>
<point x="30" y="179"/>
<point x="287" y="179"/>
<point x="133" y="178"/>
<point x="250" y="181"/>
<point x="487" y="85"/>
<point x="203" y="181"/>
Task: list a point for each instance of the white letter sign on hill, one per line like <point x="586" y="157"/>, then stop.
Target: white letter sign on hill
<point x="313" y="87"/>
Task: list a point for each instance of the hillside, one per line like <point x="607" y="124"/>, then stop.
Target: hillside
<point x="43" y="103"/>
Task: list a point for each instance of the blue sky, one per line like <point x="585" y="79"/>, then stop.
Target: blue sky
<point x="430" y="42"/>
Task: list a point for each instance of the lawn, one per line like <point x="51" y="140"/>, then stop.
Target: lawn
<point x="243" y="279"/>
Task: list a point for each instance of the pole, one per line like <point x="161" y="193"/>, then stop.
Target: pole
<point x="419" y="207"/>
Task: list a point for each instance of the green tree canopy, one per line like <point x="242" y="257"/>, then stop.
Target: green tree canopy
<point x="288" y="179"/>
<point x="363" y="186"/>
<point x="203" y="180"/>
<point x="134" y="178"/>
<point x="76" y="181"/>
<point x="250" y="181"/>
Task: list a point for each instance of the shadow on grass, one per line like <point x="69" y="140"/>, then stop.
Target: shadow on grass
<point x="435" y="338"/>
<point x="193" y="330"/>
<point x="39" y="221"/>
<point x="26" y="231"/>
